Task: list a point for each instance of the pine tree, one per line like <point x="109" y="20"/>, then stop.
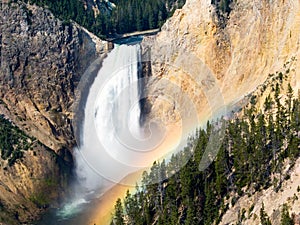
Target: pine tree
<point x="191" y="214"/>
<point x="132" y="208"/>
<point x="285" y="216"/>
<point x="289" y="99"/>
<point x="221" y="166"/>
<point x="119" y="213"/>
<point x="264" y="219"/>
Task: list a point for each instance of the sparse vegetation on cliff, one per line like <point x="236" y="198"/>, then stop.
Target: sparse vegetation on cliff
<point x="223" y="9"/>
<point x="223" y="5"/>
<point x="286" y="219"/>
<point x="13" y="141"/>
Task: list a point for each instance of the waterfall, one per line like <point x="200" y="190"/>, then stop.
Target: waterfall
<point x="111" y="123"/>
<point x="110" y="129"/>
<point x="113" y="143"/>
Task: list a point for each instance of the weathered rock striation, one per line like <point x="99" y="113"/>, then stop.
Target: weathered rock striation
<point x="202" y="56"/>
<point x="42" y="61"/>
<point x="217" y="62"/>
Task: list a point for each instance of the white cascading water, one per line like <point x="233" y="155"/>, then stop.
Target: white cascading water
<point x="113" y="144"/>
<point x="111" y="122"/>
<point x="111" y="127"/>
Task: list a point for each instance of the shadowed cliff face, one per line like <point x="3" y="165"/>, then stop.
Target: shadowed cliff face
<point x="42" y="60"/>
<point x="201" y="55"/>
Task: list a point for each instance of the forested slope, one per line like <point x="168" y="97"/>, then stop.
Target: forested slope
<point x="259" y="141"/>
<point x="123" y="16"/>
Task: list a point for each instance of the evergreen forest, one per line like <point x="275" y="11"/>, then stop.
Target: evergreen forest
<point x="259" y="142"/>
<point x="127" y="15"/>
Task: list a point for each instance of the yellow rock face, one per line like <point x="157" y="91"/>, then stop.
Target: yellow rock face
<point x="217" y="66"/>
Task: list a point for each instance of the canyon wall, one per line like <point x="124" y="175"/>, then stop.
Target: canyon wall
<point x="216" y="61"/>
<point x="210" y="59"/>
<point x="42" y="61"/>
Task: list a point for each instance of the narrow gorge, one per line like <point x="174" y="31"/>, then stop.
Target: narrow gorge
<point x="86" y="114"/>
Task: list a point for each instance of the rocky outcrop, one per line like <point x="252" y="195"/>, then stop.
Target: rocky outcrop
<point x="32" y="184"/>
<point x="42" y="61"/>
<point x="98" y="6"/>
<point x="273" y="201"/>
<point x="215" y="64"/>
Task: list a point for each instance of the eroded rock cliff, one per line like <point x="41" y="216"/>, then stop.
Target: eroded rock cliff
<point x="42" y="61"/>
<point x="216" y="63"/>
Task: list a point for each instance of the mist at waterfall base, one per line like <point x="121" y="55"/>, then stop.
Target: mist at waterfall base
<point x="113" y="143"/>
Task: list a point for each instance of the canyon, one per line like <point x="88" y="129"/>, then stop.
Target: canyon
<point x="212" y="60"/>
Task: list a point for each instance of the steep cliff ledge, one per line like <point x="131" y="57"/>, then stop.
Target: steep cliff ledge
<point x="218" y="61"/>
<point x="42" y="60"/>
<point x="201" y="55"/>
